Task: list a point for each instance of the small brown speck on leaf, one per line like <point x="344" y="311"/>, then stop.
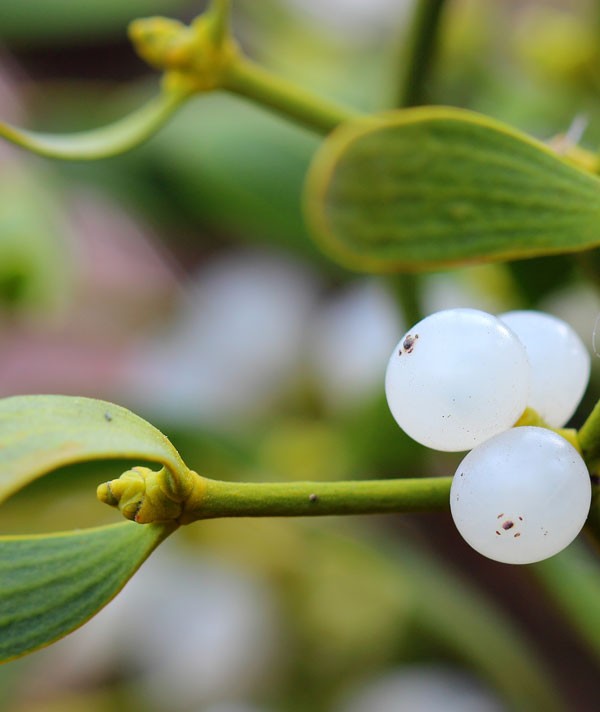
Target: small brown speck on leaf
<point x="108" y="417"/>
<point x="313" y="497"/>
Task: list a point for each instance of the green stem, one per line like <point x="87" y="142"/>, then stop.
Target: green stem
<point x="593" y="520"/>
<point x="218" y="15"/>
<point x="216" y="498"/>
<point x="407" y="290"/>
<point x="248" y="79"/>
<point x="589" y="442"/>
<point x="421" y="52"/>
<point x="589" y="436"/>
<point x="572" y="579"/>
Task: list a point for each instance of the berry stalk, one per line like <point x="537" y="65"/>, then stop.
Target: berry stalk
<point x="306" y="499"/>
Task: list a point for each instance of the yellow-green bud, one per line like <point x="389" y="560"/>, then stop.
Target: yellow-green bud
<point x="145" y="496"/>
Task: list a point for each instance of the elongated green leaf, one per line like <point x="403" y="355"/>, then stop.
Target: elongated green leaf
<point x="34" y="256"/>
<point x="41" y="433"/>
<point x="52" y="23"/>
<point x="103" y="142"/>
<point x="572" y="580"/>
<point x="424" y="188"/>
<point x="50" y="585"/>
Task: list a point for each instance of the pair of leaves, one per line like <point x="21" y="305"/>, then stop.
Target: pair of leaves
<point x="51" y="584"/>
<point x="410" y="190"/>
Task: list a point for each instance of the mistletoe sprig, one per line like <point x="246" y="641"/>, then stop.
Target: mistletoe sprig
<point x="52" y="584"/>
<point x="407" y="190"/>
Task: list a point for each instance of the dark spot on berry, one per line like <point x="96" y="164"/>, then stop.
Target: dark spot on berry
<point x="520" y="519"/>
<point x="517" y="535"/>
<point x="108" y="417"/>
<point x="508" y="524"/>
<point x="409" y="343"/>
<point x="500" y="515"/>
<point x="313" y="497"/>
<point x="497" y="532"/>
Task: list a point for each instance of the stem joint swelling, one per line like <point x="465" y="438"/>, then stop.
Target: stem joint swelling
<point x="194" y="58"/>
<point x="204" y="56"/>
<point x="146" y="496"/>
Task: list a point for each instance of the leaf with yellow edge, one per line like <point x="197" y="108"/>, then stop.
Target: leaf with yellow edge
<point x="52" y="584"/>
<point x="118" y="137"/>
<point x="425" y="188"/>
<point x="39" y="434"/>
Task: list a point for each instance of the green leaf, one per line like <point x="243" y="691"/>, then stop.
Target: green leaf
<point x="43" y="22"/>
<point x="260" y="170"/>
<point x="425" y="188"/>
<point x="103" y="142"/>
<point x="50" y="585"/>
<point x="572" y="580"/>
<point x="41" y="433"/>
<point x="34" y="257"/>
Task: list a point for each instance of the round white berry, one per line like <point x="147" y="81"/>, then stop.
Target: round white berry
<point x="456" y="378"/>
<point x="559" y="361"/>
<point x="522" y="496"/>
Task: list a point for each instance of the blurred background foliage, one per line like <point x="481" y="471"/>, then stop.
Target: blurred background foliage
<point x="179" y="281"/>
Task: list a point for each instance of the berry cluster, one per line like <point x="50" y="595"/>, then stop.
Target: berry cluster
<point x="459" y="380"/>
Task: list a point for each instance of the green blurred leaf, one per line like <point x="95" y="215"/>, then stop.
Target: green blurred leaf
<point x="41" y="433"/>
<point x="572" y="580"/>
<point x="58" y="20"/>
<point x="50" y="585"/>
<point x="34" y="257"/>
<point x="241" y="156"/>
<point x="398" y="595"/>
<point x="425" y="188"/>
<point x="118" y="137"/>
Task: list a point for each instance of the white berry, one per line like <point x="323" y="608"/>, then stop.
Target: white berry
<point x="522" y="496"/>
<point x="457" y="378"/>
<point x="559" y="361"/>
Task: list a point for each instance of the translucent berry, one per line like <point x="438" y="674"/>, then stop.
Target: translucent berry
<point x="457" y="378"/>
<point x="559" y="361"/>
<point x="521" y="496"/>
